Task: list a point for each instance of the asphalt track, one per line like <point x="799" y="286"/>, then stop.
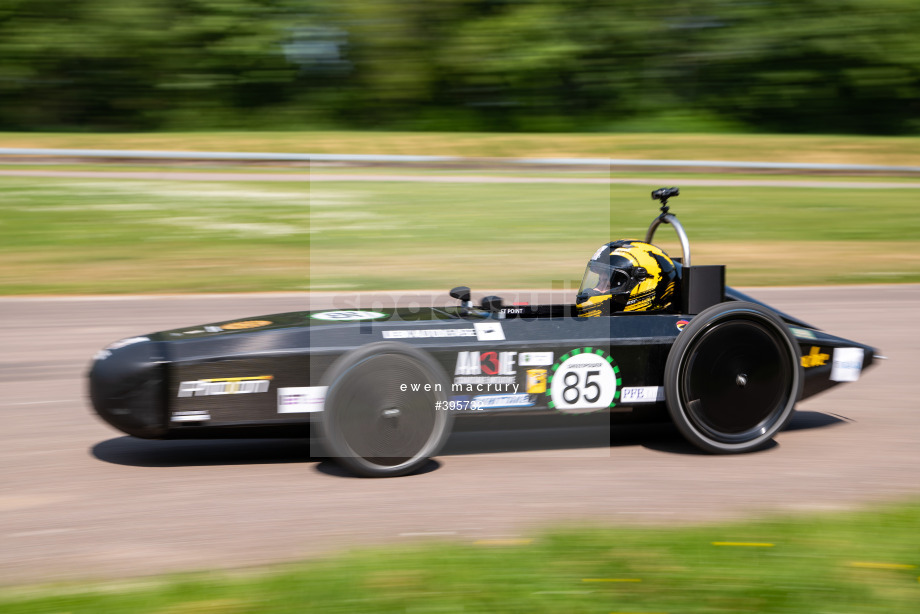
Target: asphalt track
<point x="80" y="501"/>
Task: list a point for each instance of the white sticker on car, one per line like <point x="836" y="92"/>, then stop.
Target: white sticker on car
<point x="225" y="385"/>
<point x="487" y="401"/>
<point x="489" y="331"/>
<point x="584" y="380"/>
<point x="348" y="316"/>
<point x="301" y="399"/>
<point x="535" y="359"/>
<point x="199" y="415"/>
<point x="847" y="364"/>
<point x="802" y="333"/>
<point x="641" y="394"/>
<point x="428" y="333"/>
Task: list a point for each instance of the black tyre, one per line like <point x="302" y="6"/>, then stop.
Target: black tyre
<point x="733" y="377"/>
<point x="374" y="427"/>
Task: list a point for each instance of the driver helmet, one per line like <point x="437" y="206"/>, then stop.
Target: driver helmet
<point x="627" y="276"/>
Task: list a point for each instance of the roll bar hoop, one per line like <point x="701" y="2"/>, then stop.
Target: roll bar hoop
<point x="663" y="194"/>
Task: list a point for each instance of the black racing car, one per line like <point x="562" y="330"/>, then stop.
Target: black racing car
<point x="381" y="388"/>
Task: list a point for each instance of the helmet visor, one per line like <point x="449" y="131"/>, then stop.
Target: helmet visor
<point x="604" y="279"/>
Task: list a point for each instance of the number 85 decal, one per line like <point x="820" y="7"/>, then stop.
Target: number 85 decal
<point x="584" y="380"/>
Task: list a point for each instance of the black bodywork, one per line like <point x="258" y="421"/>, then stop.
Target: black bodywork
<point x="136" y="387"/>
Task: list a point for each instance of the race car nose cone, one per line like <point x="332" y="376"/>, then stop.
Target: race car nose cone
<point x="127" y="387"/>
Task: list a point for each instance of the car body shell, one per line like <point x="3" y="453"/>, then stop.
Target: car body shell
<point x="269" y="372"/>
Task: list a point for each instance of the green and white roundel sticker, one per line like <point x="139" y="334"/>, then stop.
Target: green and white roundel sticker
<point x="582" y="381"/>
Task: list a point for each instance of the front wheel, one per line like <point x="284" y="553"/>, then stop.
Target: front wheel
<point x="383" y="413"/>
<point x="733" y="377"/>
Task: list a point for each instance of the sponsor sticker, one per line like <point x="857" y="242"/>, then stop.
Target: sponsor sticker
<point x="802" y="333"/>
<point x="584" y="380"/>
<point x="485" y="363"/>
<point x="191" y="416"/>
<point x="485" y="371"/>
<point x="348" y="316"/>
<point x="535" y="359"/>
<point x="847" y="364"/>
<point x="489" y="331"/>
<point x="814" y="358"/>
<point x="428" y="333"/>
<point x="483" y="331"/>
<point x="641" y="394"/>
<point x="487" y="401"/>
<point x="681" y="324"/>
<point x="301" y="399"/>
<point x="225" y="385"/>
<point x="536" y="381"/>
<point x="243" y="325"/>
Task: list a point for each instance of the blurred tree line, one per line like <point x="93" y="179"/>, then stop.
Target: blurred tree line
<point x="846" y="66"/>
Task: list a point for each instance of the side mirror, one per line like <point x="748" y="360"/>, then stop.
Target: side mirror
<point x="461" y="293"/>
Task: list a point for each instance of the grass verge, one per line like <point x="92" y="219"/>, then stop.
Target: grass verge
<point x="87" y="236"/>
<point x="270" y="171"/>
<point x="897" y="151"/>
<point x="855" y="562"/>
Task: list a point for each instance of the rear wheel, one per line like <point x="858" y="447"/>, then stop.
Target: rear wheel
<point x="381" y="416"/>
<point x="733" y="377"/>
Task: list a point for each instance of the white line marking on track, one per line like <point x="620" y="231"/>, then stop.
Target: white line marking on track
<point x="39" y="532"/>
<point x="427" y="533"/>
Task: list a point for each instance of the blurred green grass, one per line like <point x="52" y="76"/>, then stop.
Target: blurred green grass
<point x="854" y="562"/>
<point x="497" y="170"/>
<point x="830" y="149"/>
<point x="63" y="236"/>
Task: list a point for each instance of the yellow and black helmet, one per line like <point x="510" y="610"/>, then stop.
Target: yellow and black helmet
<point x="627" y="276"/>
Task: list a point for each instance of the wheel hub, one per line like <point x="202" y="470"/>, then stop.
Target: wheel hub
<point x="747" y="354"/>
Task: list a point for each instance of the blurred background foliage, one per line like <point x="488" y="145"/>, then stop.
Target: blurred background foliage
<point x="821" y="66"/>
